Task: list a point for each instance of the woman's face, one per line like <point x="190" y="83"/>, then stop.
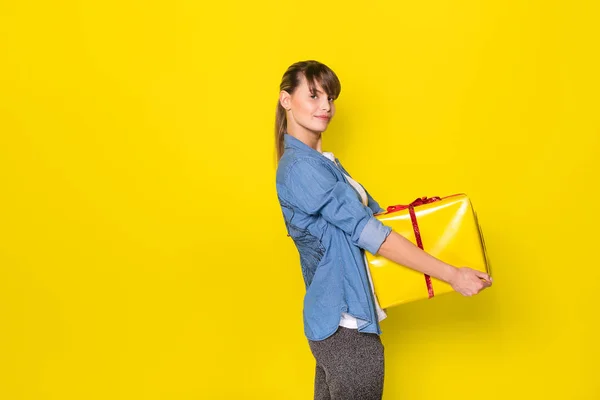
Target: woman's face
<point x="308" y="111"/>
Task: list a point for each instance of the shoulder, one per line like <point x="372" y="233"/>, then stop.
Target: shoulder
<point x="294" y="165"/>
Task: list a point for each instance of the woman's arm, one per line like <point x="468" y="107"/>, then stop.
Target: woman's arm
<point x="309" y="185"/>
<point x="464" y="280"/>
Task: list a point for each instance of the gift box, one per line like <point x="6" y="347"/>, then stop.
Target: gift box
<point x="446" y="228"/>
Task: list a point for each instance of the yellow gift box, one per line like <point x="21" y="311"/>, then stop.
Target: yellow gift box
<point x="446" y="228"/>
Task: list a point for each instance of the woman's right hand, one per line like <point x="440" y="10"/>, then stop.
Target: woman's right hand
<point x="469" y="282"/>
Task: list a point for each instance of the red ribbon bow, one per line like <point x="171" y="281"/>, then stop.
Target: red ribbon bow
<point x="418" y="202"/>
<point x="413" y="217"/>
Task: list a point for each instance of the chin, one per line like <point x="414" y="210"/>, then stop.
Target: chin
<point x="320" y="128"/>
<point x="315" y="129"/>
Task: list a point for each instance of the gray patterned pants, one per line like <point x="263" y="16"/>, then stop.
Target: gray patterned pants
<point x="350" y="366"/>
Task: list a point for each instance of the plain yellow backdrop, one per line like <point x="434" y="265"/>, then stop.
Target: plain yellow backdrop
<point x="142" y="249"/>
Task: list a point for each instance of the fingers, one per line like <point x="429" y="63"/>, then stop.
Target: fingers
<point x="483" y="275"/>
<point x="480" y="282"/>
<point x="472" y="282"/>
<point x="485" y="283"/>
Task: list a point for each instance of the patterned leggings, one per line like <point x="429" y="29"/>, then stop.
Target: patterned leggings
<point x="350" y="365"/>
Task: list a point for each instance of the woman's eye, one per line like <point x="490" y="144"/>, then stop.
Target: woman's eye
<point x="313" y="96"/>
<point x="330" y="99"/>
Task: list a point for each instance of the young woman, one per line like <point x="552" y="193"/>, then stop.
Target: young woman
<point x="330" y="218"/>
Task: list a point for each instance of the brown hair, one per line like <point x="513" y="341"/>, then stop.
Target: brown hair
<point x="314" y="72"/>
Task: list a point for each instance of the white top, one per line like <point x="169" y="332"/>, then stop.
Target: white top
<point x="347" y="320"/>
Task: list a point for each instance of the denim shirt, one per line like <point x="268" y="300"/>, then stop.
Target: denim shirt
<point x="330" y="226"/>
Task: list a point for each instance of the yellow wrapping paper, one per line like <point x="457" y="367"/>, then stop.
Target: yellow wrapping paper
<point x="449" y="231"/>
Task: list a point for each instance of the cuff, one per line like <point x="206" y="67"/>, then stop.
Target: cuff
<point x="373" y="235"/>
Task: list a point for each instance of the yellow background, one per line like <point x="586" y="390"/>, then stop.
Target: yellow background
<point x="142" y="250"/>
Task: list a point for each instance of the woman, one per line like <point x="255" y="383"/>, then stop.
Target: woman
<point x="330" y="218"/>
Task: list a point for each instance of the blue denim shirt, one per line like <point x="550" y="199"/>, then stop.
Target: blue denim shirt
<point x="330" y="226"/>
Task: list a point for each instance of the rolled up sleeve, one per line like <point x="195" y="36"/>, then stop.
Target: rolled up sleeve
<point x="314" y="189"/>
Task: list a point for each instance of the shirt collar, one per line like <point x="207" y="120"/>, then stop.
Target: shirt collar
<point x="290" y="142"/>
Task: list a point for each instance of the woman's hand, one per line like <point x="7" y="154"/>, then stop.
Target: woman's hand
<point x="469" y="282"/>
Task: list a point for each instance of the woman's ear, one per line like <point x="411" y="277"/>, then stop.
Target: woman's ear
<point x="285" y="99"/>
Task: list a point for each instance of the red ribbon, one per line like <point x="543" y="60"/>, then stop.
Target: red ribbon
<point x="413" y="217"/>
